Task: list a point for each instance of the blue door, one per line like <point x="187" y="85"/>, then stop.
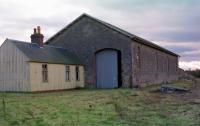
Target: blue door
<point x="107" y="69"/>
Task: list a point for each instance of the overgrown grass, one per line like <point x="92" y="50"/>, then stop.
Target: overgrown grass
<point x="119" y="107"/>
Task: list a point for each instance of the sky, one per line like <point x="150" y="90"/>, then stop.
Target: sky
<point x="172" y="24"/>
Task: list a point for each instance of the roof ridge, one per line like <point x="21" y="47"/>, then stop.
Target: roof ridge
<point x="24" y="42"/>
<point x="67" y="26"/>
<point x="117" y="29"/>
<point x="51" y="46"/>
<point x="48" y="54"/>
<point x="98" y="20"/>
<point x="19" y="41"/>
<point x="113" y="27"/>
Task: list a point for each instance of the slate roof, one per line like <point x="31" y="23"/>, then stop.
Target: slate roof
<point x="123" y="32"/>
<point x="46" y="54"/>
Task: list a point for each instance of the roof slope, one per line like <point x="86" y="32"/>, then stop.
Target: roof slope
<point x="123" y="32"/>
<point x="46" y="54"/>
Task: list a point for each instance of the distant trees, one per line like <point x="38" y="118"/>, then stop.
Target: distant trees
<point x="195" y="73"/>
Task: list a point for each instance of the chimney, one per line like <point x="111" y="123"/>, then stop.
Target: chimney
<point x="37" y="37"/>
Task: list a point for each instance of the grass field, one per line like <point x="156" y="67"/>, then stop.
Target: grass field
<point x="90" y="107"/>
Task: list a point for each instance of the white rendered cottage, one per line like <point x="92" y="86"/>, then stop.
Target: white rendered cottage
<point x="32" y="67"/>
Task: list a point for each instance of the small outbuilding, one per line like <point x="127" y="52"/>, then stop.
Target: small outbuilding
<point x="32" y="67"/>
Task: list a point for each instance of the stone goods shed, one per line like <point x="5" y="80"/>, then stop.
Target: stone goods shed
<point x="113" y="57"/>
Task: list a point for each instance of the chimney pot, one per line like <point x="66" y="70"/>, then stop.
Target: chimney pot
<point x="34" y="31"/>
<point x="39" y="29"/>
<point x="37" y="37"/>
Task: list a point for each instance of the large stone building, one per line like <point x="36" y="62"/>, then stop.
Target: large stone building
<point x="113" y="57"/>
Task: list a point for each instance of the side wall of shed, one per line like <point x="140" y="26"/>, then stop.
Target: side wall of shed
<point x="14" y="70"/>
<point x="152" y="66"/>
<point x="56" y="77"/>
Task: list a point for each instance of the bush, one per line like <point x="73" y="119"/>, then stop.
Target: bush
<point x="195" y="73"/>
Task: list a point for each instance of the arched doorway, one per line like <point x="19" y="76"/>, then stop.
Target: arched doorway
<point x="108" y="68"/>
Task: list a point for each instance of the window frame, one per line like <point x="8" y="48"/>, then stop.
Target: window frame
<point x="77" y="73"/>
<point x="157" y="62"/>
<point x="168" y="65"/>
<point x="138" y="57"/>
<point x="45" y="73"/>
<point x="67" y="73"/>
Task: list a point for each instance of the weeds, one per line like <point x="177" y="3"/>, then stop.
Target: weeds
<point x="121" y="107"/>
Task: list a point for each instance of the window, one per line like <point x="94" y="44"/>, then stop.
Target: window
<point x="77" y="73"/>
<point x="157" y="61"/>
<point x="167" y="64"/>
<point x="176" y="65"/>
<point x="44" y="73"/>
<point x="67" y="73"/>
<point x="138" y="57"/>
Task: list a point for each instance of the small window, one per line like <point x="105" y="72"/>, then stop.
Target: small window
<point x="77" y="73"/>
<point x="157" y="62"/>
<point x="138" y="57"/>
<point x="168" y="64"/>
<point x="44" y="73"/>
<point x="67" y="73"/>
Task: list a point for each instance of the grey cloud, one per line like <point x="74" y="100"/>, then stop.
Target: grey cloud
<point x="179" y="49"/>
<point x="172" y="21"/>
<point x="180" y="36"/>
<point x="190" y="58"/>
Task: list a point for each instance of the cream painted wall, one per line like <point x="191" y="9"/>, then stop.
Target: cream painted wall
<point x="56" y="77"/>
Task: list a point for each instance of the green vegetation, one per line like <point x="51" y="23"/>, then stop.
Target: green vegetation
<point x="119" y="107"/>
<point x="195" y="73"/>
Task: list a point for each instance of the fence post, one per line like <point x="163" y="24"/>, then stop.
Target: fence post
<point x="4" y="106"/>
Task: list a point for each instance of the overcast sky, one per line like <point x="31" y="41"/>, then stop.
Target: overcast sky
<point x="173" y="24"/>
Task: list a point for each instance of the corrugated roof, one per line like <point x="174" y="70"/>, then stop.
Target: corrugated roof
<point x="46" y="54"/>
<point x="123" y="32"/>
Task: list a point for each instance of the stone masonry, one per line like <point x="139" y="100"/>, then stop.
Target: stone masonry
<point x="140" y="64"/>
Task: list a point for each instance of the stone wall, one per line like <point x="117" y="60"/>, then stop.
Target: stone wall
<point x="151" y="66"/>
<point x="86" y="37"/>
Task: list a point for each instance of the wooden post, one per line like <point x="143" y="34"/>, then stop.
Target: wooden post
<point x="4" y="106"/>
